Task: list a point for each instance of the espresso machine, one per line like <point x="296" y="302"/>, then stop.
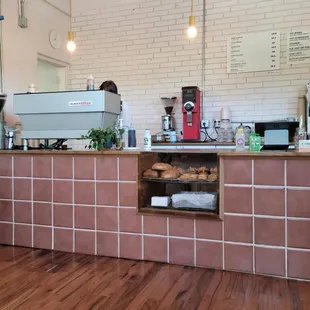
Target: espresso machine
<point x="191" y="104"/>
<point x="167" y="120"/>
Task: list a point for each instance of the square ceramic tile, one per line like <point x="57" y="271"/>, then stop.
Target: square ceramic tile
<point x="238" y="257"/>
<point x="237" y="171"/>
<point x="6" y="210"/>
<point x="181" y="251"/>
<point x="5" y="188"/>
<point x="128" y="194"/>
<point x="131" y="246"/>
<point x="42" y="237"/>
<point x="269" y="172"/>
<point x="238" y="229"/>
<point x="270" y="231"/>
<point x="128" y="168"/>
<point x="238" y="199"/>
<point x="297" y="171"/>
<point x="6" y="165"/>
<point x="62" y="167"/>
<point x="298" y="234"/>
<point x="85" y="242"/>
<point x="298" y="203"/>
<point x="269" y="201"/>
<point x="107" y="194"/>
<point x="23" y="235"/>
<point x="22" y="212"/>
<point x="181" y="227"/>
<point x="107" y="219"/>
<point x="63" y="191"/>
<point x="63" y="215"/>
<point x="298" y="264"/>
<point x="22" y="166"/>
<point x="270" y="261"/>
<point x="107" y="244"/>
<point x="84" y="193"/>
<point x="155" y="225"/>
<point x="209" y="229"/>
<point x="84" y="168"/>
<point x="63" y="240"/>
<point x="106" y="168"/>
<point x="84" y="217"/>
<point x="209" y="254"/>
<point x="129" y="221"/>
<point x="22" y="189"/>
<point x="42" y="213"/>
<point x="155" y="249"/>
<point x="6" y="233"/>
<point x="42" y="190"/>
<point x="42" y="166"/>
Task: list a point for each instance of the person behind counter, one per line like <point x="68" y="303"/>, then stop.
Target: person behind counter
<point x="109" y="86"/>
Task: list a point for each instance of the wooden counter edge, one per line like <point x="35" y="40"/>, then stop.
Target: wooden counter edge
<point x="234" y="153"/>
<point x="69" y="152"/>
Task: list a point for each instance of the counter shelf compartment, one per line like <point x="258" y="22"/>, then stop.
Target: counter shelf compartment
<point x="149" y="187"/>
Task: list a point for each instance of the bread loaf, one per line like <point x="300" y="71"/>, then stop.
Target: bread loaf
<point x="213" y="170"/>
<point x="192" y="170"/>
<point x="212" y="177"/>
<point x="170" y="174"/>
<point x="189" y="177"/>
<point x="161" y="166"/>
<point x="203" y="170"/>
<point x="149" y="173"/>
<point x="203" y="177"/>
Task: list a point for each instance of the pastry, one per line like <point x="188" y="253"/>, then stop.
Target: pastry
<point x="161" y="167"/>
<point x="188" y="177"/>
<point x="149" y="173"/>
<point x="203" y="177"/>
<point x="170" y="174"/>
<point x="212" y="177"/>
<point x="180" y="170"/>
<point x="203" y="170"/>
<point x="213" y="170"/>
<point x="192" y="170"/>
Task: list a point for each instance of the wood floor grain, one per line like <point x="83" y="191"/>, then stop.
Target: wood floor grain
<point x="39" y="279"/>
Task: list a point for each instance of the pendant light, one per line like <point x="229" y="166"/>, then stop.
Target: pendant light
<point x="192" y="30"/>
<point x="71" y="46"/>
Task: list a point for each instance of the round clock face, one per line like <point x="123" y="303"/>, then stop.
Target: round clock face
<point x="55" y="39"/>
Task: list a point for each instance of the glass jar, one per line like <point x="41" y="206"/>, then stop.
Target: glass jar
<point x="300" y="134"/>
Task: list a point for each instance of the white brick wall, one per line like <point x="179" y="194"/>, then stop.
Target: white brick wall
<point x="142" y="46"/>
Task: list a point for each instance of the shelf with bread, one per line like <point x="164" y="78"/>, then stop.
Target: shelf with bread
<point x="179" y="185"/>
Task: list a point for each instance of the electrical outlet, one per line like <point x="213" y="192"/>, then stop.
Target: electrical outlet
<point x="205" y="123"/>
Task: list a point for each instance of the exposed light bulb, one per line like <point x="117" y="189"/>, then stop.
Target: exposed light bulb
<point x="192" y="32"/>
<point x="71" y="46"/>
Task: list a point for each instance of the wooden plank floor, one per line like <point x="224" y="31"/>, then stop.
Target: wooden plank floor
<point x="38" y="279"/>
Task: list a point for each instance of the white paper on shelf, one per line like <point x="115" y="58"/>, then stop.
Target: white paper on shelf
<point x="253" y="52"/>
<point x="158" y="201"/>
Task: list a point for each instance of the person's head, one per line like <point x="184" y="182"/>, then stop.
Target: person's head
<point x="109" y="86"/>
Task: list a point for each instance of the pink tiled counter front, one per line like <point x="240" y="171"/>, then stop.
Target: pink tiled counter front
<point x="88" y="204"/>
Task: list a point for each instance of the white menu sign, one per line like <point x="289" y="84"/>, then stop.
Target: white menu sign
<point x="298" y="47"/>
<point x="253" y="52"/>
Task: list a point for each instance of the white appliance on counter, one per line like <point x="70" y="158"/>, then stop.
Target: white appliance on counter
<point x="65" y="115"/>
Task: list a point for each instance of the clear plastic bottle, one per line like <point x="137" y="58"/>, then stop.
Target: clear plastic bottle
<point x="90" y="82"/>
<point x="147" y="139"/>
<point x="240" y="139"/>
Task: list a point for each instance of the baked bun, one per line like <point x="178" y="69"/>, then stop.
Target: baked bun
<point x="161" y="167"/>
<point x="179" y="170"/>
<point x="212" y="177"/>
<point x="170" y="174"/>
<point x="203" y="170"/>
<point x="192" y="170"/>
<point x="203" y="177"/>
<point x="189" y="177"/>
<point x="149" y="173"/>
<point x="213" y="170"/>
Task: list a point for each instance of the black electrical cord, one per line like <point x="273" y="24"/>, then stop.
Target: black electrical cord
<point x="54" y="146"/>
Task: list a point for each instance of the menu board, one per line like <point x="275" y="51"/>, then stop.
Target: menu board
<point x="253" y="52"/>
<point x="298" y="47"/>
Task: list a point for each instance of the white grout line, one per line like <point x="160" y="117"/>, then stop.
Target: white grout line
<point x="238" y="214"/>
<point x="53" y="228"/>
<point x="73" y="208"/>
<point x="142" y="232"/>
<point x="223" y="244"/>
<point x="95" y="178"/>
<point x="13" y="204"/>
<point x="118" y="213"/>
<point x="168" y="245"/>
<point x="285" y="213"/>
<point x="238" y="185"/>
<point x="195" y="244"/>
<point x="32" y="205"/>
<point x="253" y="219"/>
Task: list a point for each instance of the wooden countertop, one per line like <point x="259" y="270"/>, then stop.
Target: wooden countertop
<point x="234" y="153"/>
<point x="71" y="152"/>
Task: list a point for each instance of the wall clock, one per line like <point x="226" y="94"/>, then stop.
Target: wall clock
<point x="55" y="39"/>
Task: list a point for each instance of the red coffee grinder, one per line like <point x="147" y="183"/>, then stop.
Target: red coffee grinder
<point x="191" y="113"/>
